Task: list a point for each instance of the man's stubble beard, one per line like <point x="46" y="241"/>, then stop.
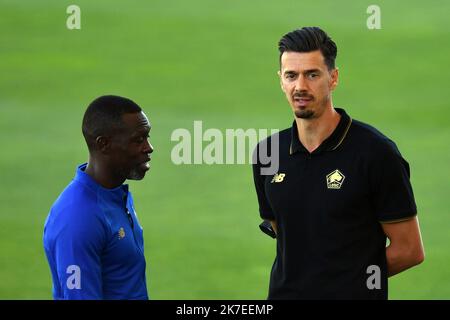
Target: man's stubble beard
<point x="315" y="112"/>
<point x="304" y="114"/>
<point x="135" y="175"/>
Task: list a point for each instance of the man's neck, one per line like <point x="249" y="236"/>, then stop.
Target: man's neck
<point x="101" y="174"/>
<point x="312" y="132"/>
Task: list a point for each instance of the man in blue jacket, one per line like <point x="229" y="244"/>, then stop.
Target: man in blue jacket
<point x="92" y="237"/>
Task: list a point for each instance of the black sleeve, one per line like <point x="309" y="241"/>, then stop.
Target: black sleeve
<point x="392" y="194"/>
<point x="265" y="211"/>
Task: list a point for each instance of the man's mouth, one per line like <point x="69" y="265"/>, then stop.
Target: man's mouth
<point x="302" y="101"/>
<point x="146" y="163"/>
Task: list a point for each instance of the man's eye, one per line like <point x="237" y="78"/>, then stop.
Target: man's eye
<point x="313" y="75"/>
<point x="142" y="138"/>
<point x="290" y="76"/>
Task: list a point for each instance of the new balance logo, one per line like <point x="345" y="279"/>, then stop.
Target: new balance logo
<point x="278" y="177"/>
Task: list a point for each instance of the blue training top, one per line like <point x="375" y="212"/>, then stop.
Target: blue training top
<point x="94" y="243"/>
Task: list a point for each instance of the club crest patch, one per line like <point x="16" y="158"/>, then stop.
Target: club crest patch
<point x="121" y="233"/>
<point x="335" y="179"/>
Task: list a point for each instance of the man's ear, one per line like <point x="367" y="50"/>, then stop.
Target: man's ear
<point x="334" y="78"/>
<point x="281" y="80"/>
<point x="103" y="143"/>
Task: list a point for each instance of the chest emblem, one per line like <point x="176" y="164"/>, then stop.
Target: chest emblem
<point x="121" y="233"/>
<point x="335" y="179"/>
<point x="278" y="177"/>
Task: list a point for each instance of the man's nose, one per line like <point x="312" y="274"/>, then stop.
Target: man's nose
<point x="148" y="148"/>
<point x="301" y="84"/>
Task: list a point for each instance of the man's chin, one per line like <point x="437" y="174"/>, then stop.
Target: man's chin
<point x="304" y="114"/>
<point x="135" y="175"/>
<point x="138" y="172"/>
<point x="135" y="178"/>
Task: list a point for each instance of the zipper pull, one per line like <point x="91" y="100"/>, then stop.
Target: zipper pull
<point x="130" y="218"/>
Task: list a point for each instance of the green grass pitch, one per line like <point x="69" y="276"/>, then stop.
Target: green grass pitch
<point x="214" y="61"/>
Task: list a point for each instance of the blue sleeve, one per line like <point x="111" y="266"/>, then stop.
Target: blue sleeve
<point x="77" y="251"/>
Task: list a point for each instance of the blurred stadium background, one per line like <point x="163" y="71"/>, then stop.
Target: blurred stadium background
<point x="214" y="61"/>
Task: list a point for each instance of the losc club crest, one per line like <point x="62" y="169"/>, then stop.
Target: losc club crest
<point x="121" y="233"/>
<point x="335" y="179"/>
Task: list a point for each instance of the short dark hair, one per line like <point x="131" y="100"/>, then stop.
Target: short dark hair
<point x="104" y="115"/>
<point x="309" y="39"/>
